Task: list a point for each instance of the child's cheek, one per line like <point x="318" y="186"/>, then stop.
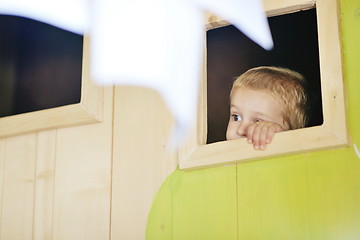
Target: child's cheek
<point x="231" y="131"/>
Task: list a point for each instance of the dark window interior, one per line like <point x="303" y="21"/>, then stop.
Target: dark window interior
<point x="230" y="53"/>
<point x="40" y="66"/>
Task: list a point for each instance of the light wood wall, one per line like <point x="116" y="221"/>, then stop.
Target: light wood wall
<point x="94" y="181"/>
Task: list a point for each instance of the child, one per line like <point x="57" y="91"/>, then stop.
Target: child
<point x="264" y="101"/>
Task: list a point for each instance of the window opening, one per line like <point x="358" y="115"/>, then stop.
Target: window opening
<point x="40" y="66"/>
<point x="230" y="53"/>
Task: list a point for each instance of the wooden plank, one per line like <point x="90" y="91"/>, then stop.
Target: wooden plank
<point x="45" y="119"/>
<point x="92" y="95"/>
<point x="44" y="185"/>
<point x="141" y="162"/>
<point x="277" y="7"/>
<point x="83" y="179"/>
<point x="332" y="88"/>
<point x="228" y="152"/>
<point x="18" y="187"/>
<point x="198" y="135"/>
<point x="271" y="7"/>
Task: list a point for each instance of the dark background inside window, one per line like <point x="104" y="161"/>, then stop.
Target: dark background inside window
<point x="230" y="53"/>
<point x="40" y="66"/>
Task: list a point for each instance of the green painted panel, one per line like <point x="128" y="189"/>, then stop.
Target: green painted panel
<point x="313" y="196"/>
<point x="160" y="224"/>
<point x="350" y="25"/>
<point x="309" y="196"/>
<point x="269" y="195"/>
<point x="195" y="205"/>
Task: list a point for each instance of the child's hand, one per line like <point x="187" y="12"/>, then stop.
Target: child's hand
<point x="261" y="133"/>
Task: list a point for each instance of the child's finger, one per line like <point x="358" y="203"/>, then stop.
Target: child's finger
<point x="270" y="134"/>
<point x="256" y="136"/>
<point x="263" y="137"/>
<point x="250" y="133"/>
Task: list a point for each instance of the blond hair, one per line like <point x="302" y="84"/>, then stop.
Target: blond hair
<point x="285" y="85"/>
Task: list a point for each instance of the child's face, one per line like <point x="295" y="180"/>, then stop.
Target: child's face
<point x="249" y="106"/>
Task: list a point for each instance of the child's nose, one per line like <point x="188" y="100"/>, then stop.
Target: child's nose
<point x="242" y="129"/>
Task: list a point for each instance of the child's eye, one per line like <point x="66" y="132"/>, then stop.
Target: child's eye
<point x="258" y="120"/>
<point x="236" y="117"/>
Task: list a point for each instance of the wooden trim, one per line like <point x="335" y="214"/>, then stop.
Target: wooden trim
<point x="332" y="134"/>
<point x="89" y="110"/>
<point x="280" y="7"/>
<point x="271" y="7"/>
<point x="44" y="185"/>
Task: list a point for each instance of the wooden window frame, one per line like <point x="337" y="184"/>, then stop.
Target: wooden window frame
<point x="88" y="110"/>
<point x="331" y="134"/>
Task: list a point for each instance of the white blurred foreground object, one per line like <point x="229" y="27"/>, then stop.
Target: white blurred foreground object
<point x="151" y="43"/>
